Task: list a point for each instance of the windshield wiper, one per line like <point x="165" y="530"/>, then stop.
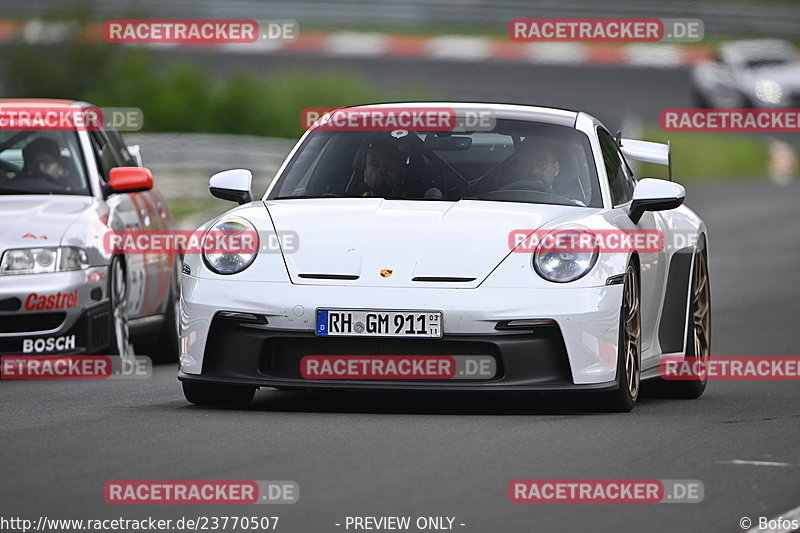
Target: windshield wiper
<point x="306" y="197"/>
<point x="302" y="197"/>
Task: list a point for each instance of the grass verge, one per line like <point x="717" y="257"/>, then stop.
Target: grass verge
<point x="705" y="156"/>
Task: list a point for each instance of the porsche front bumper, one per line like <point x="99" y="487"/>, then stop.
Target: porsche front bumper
<point x="577" y="350"/>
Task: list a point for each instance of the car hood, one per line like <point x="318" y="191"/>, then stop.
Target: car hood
<point x="28" y="221"/>
<point x="375" y="242"/>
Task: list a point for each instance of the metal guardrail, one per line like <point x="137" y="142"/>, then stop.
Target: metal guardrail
<point x="184" y="161"/>
<point x="758" y="17"/>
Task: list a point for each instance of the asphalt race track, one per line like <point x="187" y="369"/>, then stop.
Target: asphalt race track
<point x="416" y="455"/>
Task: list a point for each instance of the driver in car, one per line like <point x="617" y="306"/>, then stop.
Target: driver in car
<point x="536" y="162"/>
<point x="42" y="158"/>
<point x="384" y="170"/>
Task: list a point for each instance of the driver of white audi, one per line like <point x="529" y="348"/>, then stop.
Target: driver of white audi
<point x="535" y="162"/>
<point x="42" y="159"/>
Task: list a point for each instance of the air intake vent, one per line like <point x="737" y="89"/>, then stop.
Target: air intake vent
<point x="10" y="304"/>
<point x="30" y="322"/>
<point x="100" y="329"/>
<point x="329" y="276"/>
<point x="442" y="279"/>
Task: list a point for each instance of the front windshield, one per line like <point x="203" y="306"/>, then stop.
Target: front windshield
<point x="41" y="162"/>
<point x="517" y="161"/>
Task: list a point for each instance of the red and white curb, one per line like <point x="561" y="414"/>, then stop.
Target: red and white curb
<point x="443" y="47"/>
<point x="480" y="49"/>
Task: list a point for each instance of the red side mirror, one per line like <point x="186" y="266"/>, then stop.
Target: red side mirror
<point x="130" y="179"/>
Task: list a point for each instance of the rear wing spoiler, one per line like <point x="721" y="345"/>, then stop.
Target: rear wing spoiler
<point x="647" y="152"/>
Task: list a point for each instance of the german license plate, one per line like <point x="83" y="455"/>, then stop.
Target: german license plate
<point x="378" y="323"/>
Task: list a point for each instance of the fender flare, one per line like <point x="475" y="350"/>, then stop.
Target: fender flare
<point x="672" y="327"/>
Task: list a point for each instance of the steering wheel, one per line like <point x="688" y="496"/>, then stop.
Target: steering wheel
<point x="7" y="166"/>
<point x="63" y="185"/>
<point x="534" y="186"/>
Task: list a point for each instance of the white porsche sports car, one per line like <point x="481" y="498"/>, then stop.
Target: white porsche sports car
<point x="403" y="259"/>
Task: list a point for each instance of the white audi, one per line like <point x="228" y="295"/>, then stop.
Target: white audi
<point x="429" y="258"/>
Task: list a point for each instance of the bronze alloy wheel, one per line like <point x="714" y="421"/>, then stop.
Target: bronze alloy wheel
<point x="629" y="352"/>
<point x="631" y="336"/>
<point x="701" y="315"/>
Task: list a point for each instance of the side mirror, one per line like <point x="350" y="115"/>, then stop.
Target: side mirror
<point x="655" y="195"/>
<point x="130" y="179"/>
<point x="232" y="185"/>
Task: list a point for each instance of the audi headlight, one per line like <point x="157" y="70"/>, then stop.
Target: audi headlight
<point x="43" y="260"/>
<point x="230" y="245"/>
<point x="566" y="254"/>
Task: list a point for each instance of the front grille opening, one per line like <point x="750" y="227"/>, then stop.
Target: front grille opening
<point x="281" y="356"/>
<point x="442" y="279"/>
<point x="233" y="350"/>
<point x="329" y="276"/>
<point x="31" y="322"/>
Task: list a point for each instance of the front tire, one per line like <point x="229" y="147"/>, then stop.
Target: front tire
<point x="211" y="394"/>
<point x="118" y="293"/>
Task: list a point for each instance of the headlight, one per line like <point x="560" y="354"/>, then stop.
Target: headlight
<point x="41" y="260"/>
<point x="226" y="258"/>
<point x="563" y="254"/>
<point x="768" y="91"/>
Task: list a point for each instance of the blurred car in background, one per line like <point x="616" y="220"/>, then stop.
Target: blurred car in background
<point x="61" y="290"/>
<point x="758" y="73"/>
